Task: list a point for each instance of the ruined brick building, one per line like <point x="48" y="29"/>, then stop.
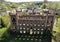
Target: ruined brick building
<point x="33" y="23"/>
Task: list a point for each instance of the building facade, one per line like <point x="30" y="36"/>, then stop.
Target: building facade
<point x="38" y="24"/>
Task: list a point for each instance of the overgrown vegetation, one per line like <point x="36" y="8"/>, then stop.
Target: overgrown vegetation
<point x="5" y="19"/>
<point x="57" y="29"/>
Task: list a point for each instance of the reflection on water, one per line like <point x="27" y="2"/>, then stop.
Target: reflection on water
<point x="28" y="38"/>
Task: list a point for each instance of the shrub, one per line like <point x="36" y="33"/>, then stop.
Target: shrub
<point x="6" y="19"/>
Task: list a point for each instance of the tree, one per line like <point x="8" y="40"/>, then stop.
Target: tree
<point x="1" y="23"/>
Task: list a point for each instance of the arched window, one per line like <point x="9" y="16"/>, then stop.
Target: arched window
<point x="13" y="20"/>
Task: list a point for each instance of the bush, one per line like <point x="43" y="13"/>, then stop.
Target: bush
<point x="6" y="19"/>
<point x="2" y="23"/>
